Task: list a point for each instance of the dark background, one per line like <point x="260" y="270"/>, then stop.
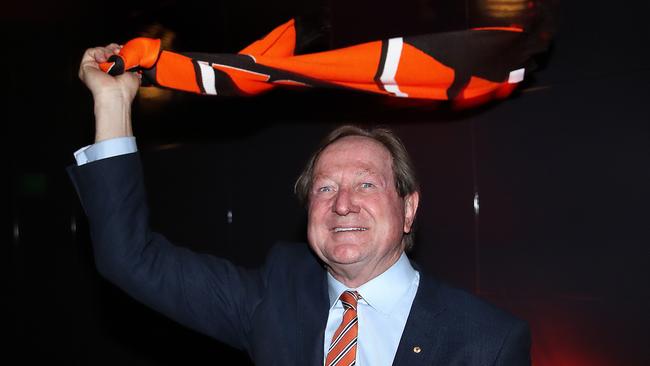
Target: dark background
<point x="561" y="170"/>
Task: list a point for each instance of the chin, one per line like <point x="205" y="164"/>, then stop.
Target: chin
<point x="345" y="253"/>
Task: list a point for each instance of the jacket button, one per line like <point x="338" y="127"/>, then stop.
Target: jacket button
<point x="417" y="349"/>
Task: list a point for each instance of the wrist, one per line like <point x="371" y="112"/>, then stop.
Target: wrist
<point x="112" y="117"/>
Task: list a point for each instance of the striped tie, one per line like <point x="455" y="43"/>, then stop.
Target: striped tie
<point x="343" y="350"/>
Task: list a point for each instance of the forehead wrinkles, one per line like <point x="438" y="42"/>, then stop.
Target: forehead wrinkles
<point x="364" y="152"/>
<point x="357" y="156"/>
<point x="341" y="173"/>
<point x="364" y="172"/>
<point x="336" y="167"/>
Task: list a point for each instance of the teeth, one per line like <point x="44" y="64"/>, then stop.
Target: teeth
<point x="342" y="229"/>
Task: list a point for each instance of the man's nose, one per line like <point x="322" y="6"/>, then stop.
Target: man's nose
<point x="345" y="203"/>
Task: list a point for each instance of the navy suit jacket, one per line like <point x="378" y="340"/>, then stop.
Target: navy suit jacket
<point x="276" y="313"/>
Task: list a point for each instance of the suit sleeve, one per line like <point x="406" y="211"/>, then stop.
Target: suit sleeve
<point x="205" y="293"/>
<point x="516" y="347"/>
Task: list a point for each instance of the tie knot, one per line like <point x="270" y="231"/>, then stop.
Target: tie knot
<point x="349" y="299"/>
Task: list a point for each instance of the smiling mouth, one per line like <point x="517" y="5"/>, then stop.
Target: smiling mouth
<point x="348" y="229"/>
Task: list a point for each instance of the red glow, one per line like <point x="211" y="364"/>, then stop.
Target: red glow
<point x="584" y="331"/>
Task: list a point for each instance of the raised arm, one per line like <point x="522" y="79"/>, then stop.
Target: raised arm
<point x="203" y="292"/>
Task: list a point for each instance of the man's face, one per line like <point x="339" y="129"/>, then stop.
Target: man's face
<point x="356" y="217"/>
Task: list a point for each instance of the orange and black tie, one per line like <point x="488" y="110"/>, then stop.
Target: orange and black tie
<point x="343" y="350"/>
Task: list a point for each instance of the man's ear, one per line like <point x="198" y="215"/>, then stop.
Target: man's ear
<point x="411" y="202"/>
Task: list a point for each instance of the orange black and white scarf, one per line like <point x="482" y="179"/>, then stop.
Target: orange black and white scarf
<point x="469" y="65"/>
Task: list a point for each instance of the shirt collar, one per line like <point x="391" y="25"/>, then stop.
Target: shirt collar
<point x="382" y="292"/>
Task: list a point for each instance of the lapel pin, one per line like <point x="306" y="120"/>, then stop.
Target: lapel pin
<point x="417" y="349"/>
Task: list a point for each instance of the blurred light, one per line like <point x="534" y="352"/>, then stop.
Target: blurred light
<point x="162" y="147"/>
<point x="476" y="204"/>
<point x="154" y="94"/>
<point x="16" y="232"/>
<point x="73" y="225"/>
<point x="506" y="8"/>
<point x="167" y="37"/>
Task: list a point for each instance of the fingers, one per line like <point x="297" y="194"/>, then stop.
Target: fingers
<point x="101" y="54"/>
<point x="96" y="55"/>
<point x="113" y="49"/>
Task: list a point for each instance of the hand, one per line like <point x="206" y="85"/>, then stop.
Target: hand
<point x="123" y="87"/>
<point x="113" y="95"/>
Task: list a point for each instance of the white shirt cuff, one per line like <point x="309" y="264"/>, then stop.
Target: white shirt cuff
<point x="106" y="149"/>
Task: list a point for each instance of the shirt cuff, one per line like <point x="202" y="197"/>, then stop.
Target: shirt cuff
<point x="106" y="149"/>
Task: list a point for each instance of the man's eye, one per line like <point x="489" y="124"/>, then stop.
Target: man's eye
<point x="367" y="185"/>
<point x="324" y="189"/>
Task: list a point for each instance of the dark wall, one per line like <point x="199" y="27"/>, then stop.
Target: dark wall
<point x="560" y="171"/>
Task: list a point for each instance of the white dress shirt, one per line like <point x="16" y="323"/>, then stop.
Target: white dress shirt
<point x="382" y="312"/>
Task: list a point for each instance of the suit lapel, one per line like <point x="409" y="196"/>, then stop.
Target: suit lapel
<point x="425" y="330"/>
<point x="312" y="304"/>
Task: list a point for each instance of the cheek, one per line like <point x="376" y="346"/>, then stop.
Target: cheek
<point x="315" y="217"/>
<point x="319" y="208"/>
<point x="312" y="211"/>
<point x="391" y="214"/>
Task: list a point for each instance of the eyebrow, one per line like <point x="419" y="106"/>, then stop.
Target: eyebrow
<point x="372" y="174"/>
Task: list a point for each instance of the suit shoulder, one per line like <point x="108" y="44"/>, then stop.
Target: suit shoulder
<point x="471" y="310"/>
<point x="286" y="251"/>
<point x="291" y="257"/>
<point x="473" y="330"/>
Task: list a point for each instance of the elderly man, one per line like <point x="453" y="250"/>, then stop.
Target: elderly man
<point x="351" y="297"/>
